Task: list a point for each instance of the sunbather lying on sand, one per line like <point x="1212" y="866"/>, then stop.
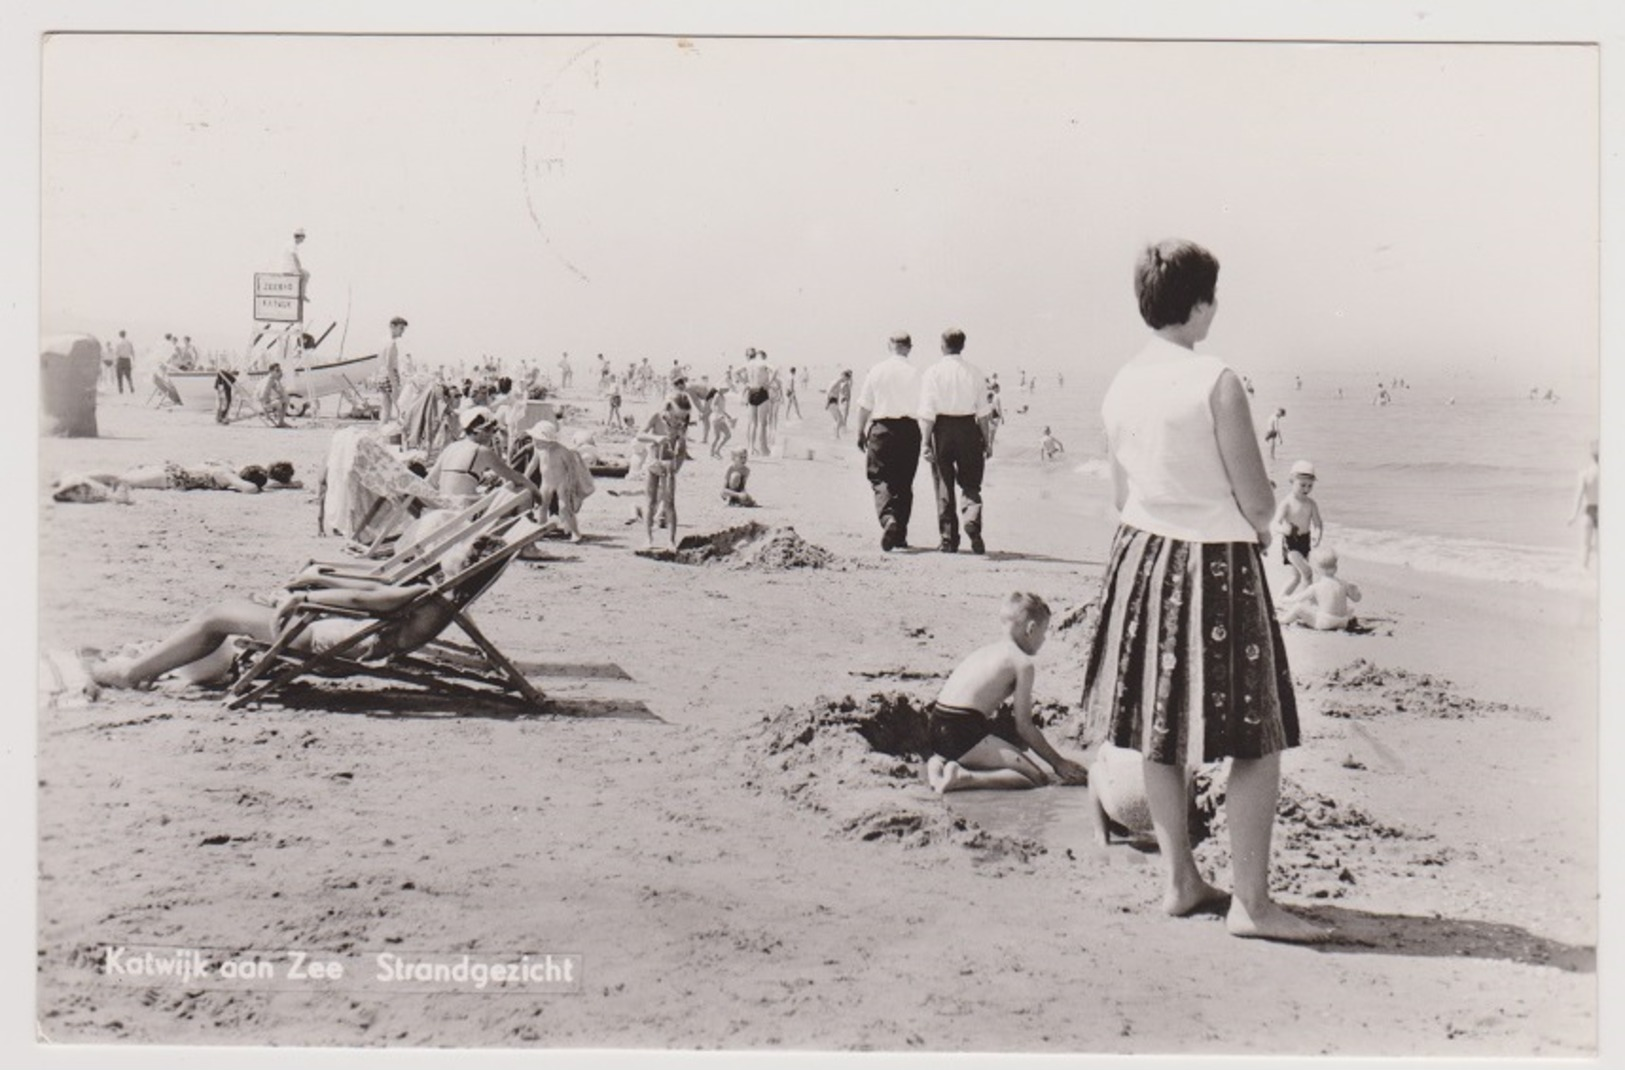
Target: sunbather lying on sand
<point x="203" y="648"/>
<point x="210" y="475"/>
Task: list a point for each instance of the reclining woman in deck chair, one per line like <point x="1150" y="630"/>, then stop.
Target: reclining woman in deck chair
<point x="202" y="647"/>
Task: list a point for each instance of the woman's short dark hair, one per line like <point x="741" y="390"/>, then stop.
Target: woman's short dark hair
<point x="254" y="474"/>
<point x="953" y="340"/>
<point x="281" y="471"/>
<point x="1171" y="278"/>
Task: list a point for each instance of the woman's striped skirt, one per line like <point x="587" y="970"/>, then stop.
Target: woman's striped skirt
<point x="1186" y="664"/>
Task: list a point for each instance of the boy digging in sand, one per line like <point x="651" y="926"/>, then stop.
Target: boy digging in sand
<point x="965" y="754"/>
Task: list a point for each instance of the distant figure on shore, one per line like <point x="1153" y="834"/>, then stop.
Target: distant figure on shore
<point x="736" y="478"/>
<point x="838" y="401"/>
<point x="790" y="399"/>
<point x="889" y="438"/>
<point x="390" y="359"/>
<point x="964" y="752"/>
<point x="124" y="362"/>
<point x="1273" y="435"/>
<point x="293" y="265"/>
<point x="1049" y="447"/>
<point x="1585" y="504"/>
<point x="567" y="374"/>
<point x="273" y="396"/>
<point x="1324" y="603"/>
<point x="722" y="421"/>
<point x="1194" y="498"/>
<point x="953" y="427"/>
<point x="1297" y="521"/>
<point x="666" y="435"/>
<point x="759" y="374"/>
<point x="225" y="380"/>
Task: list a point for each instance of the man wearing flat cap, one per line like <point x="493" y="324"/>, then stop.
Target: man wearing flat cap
<point x="889" y="436"/>
<point x="390" y="358"/>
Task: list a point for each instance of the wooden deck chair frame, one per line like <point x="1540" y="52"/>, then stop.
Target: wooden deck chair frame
<point x="413" y="556"/>
<point x="479" y="670"/>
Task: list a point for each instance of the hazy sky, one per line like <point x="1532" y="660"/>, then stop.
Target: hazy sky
<point x="1416" y="209"/>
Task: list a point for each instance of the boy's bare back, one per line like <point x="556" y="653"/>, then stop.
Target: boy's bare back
<point x="986" y="677"/>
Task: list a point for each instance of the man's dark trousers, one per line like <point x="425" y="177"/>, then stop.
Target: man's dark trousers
<point x="892" y="450"/>
<point x="961" y="456"/>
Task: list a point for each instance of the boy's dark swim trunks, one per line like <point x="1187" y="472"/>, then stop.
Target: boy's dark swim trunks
<point x="1299" y="541"/>
<point x="955" y="730"/>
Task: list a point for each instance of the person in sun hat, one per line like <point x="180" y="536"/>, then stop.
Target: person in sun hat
<point x="1297" y="521"/>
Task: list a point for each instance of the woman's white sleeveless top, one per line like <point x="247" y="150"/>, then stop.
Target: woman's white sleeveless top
<point x="1159" y="427"/>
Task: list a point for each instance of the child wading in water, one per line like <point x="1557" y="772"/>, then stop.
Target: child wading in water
<point x="1297" y="521"/>
<point x="1324" y="604"/>
<point x="965" y="753"/>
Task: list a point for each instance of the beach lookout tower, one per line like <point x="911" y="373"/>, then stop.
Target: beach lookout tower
<point x="279" y="316"/>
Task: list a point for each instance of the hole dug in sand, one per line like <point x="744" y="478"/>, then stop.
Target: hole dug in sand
<point x="858" y="764"/>
<point x="1322" y="848"/>
<point x="1361" y="689"/>
<point x="751" y="545"/>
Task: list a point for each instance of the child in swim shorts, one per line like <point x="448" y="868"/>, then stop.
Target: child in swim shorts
<point x="1297" y="521"/>
<point x="965" y="754"/>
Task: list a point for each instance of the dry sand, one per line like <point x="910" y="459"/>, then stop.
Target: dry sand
<point x="707" y="814"/>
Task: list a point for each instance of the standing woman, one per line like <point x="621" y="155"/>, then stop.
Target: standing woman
<point x="1186" y="664"/>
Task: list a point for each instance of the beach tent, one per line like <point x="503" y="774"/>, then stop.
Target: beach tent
<point x="70" y="365"/>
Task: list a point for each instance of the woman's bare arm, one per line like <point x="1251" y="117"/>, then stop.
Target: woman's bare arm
<point x="1238" y="448"/>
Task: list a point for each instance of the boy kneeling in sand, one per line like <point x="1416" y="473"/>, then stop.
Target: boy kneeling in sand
<point x="964" y="752"/>
<point x="1324" y="604"/>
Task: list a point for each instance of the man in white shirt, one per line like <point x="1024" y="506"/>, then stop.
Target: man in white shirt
<point x="889" y="436"/>
<point x="953" y="406"/>
<point x="390" y="356"/>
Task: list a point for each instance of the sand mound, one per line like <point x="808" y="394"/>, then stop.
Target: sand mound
<point x="859" y="765"/>
<point x="1322" y="847"/>
<point x="749" y="545"/>
<point x="1362" y="689"/>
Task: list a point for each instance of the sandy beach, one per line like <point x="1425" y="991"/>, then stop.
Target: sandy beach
<point x="701" y="812"/>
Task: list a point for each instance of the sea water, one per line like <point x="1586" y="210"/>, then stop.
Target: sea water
<point x="1452" y="476"/>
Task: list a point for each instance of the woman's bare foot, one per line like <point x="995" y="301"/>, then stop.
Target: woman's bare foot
<point x="933" y="771"/>
<point x="110" y="672"/>
<point x="1195" y="899"/>
<point x="1272" y="922"/>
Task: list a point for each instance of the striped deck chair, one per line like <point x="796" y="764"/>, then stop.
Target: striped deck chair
<point x="412" y="557"/>
<point x="437" y="665"/>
